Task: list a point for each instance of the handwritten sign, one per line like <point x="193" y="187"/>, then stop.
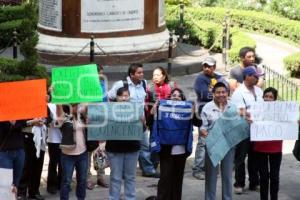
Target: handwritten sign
<point x="111" y="16"/>
<point x="115" y="121"/>
<point x="274" y="120"/>
<point x="5" y="184"/>
<point x="23" y="100"/>
<point x="76" y="84"/>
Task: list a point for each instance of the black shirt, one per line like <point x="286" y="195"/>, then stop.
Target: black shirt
<point x="11" y="136"/>
<point x="122" y="146"/>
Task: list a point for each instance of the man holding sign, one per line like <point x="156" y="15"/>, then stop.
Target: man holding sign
<point x="243" y="97"/>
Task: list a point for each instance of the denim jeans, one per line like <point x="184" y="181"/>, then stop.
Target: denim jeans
<point x="68" y="163"/>
<point x="122" y="165"/>
<point x="199" y="160"/>
<point x="13" y="159"/>
<point x="145" y="162"/>
<point x="226" y="174"/>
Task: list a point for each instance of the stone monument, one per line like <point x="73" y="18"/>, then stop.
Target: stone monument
<point x="124" y="31"/>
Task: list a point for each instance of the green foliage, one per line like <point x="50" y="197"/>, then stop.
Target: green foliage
<point x="286" y="8"/>
<point x="292" y="63"/>
<point x="6" y="31"/>
<point x="177" y="2"/>
<point x="9" y="13"/>
<point x="250" y="20"/>
<point x="13" y="70"/>
<point x="207" y="33"/>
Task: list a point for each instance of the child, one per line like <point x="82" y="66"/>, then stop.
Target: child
<point x="122" y="156"/>
<point x="269" y="153"/>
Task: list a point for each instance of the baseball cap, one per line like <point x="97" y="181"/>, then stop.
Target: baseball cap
<point x="209" y="61"/>
<point x="252" y="70"/>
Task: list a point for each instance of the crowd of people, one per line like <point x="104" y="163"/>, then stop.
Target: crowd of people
<point x="22" y="151"/>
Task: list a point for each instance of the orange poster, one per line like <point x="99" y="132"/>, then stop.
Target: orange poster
<point x="23" y="100"/>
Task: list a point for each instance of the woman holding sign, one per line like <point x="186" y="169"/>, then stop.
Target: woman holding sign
<point x="269" y="153"/>
<point x="123" y="157"/>
<point x="174" y="145"/>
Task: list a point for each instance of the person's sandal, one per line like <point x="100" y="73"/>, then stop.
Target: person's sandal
<point x="89" y="185"/>
<point x="102" y="182"/>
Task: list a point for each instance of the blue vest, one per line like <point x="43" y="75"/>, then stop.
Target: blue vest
<point x="172" y="125"/>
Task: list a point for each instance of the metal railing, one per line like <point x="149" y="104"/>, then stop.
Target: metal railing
<point x="287" y="89"/>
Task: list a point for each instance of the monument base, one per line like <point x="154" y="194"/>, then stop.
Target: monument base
<point x="108" y="51"/>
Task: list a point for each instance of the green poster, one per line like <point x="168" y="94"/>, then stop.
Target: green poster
<point x="76" y="84"/>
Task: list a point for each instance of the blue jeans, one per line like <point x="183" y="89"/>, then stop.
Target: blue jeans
<point x="199" y="160"/>
<point x="122" y="165"/>
<point x="13" y="159"/>
<point x="68" y="163"/>
<point x="145" y="162"/>
<point x="226" y="174"/>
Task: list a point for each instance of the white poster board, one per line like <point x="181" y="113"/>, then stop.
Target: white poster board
<point x="50" y="14"/>
<point x="5" y="184"/>
<point x="161" y="13"/>
<point x="277" y="120"/>
<point x="100" y="16"/>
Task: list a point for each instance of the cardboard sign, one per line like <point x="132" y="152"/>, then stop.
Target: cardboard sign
<point x="76" y="84"/>
<point x="23" y="100"/>
<point x="274" y="120"/>
<point x="115" y="121"/>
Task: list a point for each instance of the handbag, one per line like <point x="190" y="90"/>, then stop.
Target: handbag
<point x="296" y="150"/>
<point x="68" y="140"/>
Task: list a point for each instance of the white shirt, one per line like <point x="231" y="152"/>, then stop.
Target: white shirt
<point x="54" y="134"/>
<point x="137" y="92"/>
<point x="242" y="97"/>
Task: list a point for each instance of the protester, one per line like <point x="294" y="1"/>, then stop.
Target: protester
<point x="172" y="156"/>
<point x="159" y="89"/>
<point x="211" y="112"/>
<point x="35" y="147"/>
<point x="243" y="97"/>
<point x="101" y="181"/>
<point x="53" y="141"/>
<point x="12" y="153"/>
<point x="137" y="88"/>
<point x="248" y="57"/>
<point x="74" y="156"/>
<point x="123" y="157"/>
<point x="203" y="87"/>
<point x="269" y="155"/>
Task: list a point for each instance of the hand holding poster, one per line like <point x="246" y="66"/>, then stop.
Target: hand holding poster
<point x="23" y="100"/>
<point x="76" y="84"/>
<point x="115" y="121"/>
<point x="274" y="120"/>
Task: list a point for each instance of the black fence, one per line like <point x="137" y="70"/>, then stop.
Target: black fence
<point x="287" y="89"/>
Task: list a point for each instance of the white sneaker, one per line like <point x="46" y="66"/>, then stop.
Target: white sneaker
<point x="238" y="190"/>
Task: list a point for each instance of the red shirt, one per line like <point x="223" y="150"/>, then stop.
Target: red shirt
<point x="268" y="146"/>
